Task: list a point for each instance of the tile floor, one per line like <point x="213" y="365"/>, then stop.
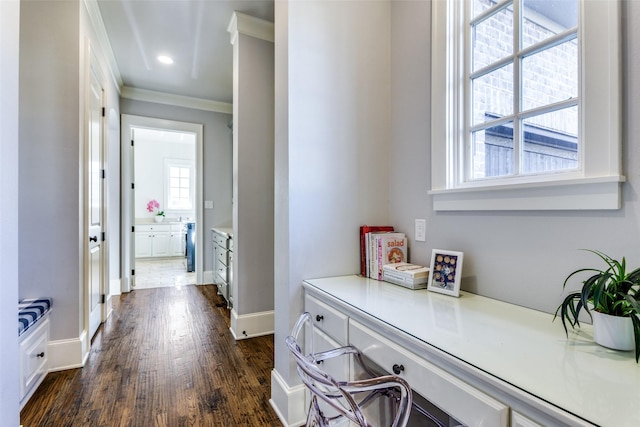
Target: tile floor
<point x="164" y="272"/>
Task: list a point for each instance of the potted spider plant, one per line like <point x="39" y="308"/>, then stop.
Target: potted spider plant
<point x="610" y="296"/>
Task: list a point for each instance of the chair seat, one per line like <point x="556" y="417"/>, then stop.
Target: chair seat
<point x="374" y="400"/>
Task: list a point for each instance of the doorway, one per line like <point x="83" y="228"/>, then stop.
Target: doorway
<point x="162" y="173"/>
<point x="164" y="177"/>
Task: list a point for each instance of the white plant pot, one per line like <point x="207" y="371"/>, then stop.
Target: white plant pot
<point x="159" y="218"/>
<point x="613" y="331"/>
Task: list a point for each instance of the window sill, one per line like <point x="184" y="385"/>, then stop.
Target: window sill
<point x="577" y="194"/>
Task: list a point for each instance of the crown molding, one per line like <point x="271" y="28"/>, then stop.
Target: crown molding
<point x="177" y="100"/>
<point x="103" y="40"/>
<point x="241" y="23"/>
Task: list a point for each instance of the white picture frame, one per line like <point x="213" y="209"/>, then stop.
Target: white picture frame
<point x="446" y="272"/>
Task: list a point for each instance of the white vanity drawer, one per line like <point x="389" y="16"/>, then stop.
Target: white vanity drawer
<point x="460" y="400"/>
<point x="33" y="356"/>
<point x="338" y="367"/>
<point x="327" y="319"/>
<point x="220" y="240"/>
<point x="221" y="256"/>
<point x="152" y="227"/>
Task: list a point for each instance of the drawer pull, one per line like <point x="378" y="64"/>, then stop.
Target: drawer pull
<point x="319" y="318"/>
<point x="40" y="354"/>
<point x="397" y="369"/>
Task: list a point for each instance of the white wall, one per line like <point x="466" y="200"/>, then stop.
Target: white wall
<point x="9" y="58"/>
<point x="54" y="38"/>
<point x="519" y="257"/>
<point x="50" y="159"/>
<point x="332" y="133"/>
<point x="253" y="185"/>
<point x="150" y="179"/>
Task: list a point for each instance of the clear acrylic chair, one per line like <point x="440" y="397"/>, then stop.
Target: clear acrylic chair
<point x="351" y="401"/>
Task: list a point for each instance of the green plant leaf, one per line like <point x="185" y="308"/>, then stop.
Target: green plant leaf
<point x="612" y="291"/>
<point x="636" y="334"/>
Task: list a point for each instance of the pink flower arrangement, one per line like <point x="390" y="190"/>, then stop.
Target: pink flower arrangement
<point x="153" y="205"/>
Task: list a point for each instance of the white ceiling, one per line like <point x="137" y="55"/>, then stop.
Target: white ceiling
<point x="193" y="32"/>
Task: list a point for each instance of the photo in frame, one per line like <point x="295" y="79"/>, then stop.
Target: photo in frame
<point x="446" y="272"/>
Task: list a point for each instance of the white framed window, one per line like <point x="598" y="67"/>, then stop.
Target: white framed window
<point x="526" y="104"/>
<point x="179" y="178"/>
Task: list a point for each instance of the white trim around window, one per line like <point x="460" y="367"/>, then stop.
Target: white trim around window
<point x="596" y="186"/>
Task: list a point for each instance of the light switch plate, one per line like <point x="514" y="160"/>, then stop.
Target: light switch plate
<point x="208" y="204"/>
<point x="421" y="230"/>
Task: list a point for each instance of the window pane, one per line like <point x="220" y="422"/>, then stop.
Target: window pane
<point x="550" y="75"/>
<point x="545" y="18"/>
<point x="492" y="39"/>
<point x="492" y="95"/>
<point x="551" y="141"/>
<point x="492" y="152"/>
<point x="179" y="183"/>
<point x="479" y="6"/>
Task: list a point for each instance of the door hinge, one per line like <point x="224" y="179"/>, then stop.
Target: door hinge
<point x="133" y="272"/>
<point x="132" y="142"/>
<point x="133" y="229"/>
<point x="104" y="113"/>
<point x="103" y="173"/>
<point x="104" y="236"/>
<point x="103" y="298"/>
<point x="133" y="186"/>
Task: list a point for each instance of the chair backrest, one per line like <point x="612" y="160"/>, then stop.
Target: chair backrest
<point x="339" y="394"/>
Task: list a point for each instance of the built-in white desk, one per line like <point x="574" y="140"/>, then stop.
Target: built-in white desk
<point x="517" y="356"/>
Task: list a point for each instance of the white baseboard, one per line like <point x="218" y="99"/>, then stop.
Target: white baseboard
<point x="251" y="325"/>
<point x="115" y="286"/>
<point x="126" y="284"/>
<point x="287" y="402"/>
<point x="68" y="354"/>
<point x="108" y="308"/>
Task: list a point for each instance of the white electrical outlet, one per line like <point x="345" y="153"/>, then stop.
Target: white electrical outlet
<point x="208" y="204"/>
<point x="421" y="230"/>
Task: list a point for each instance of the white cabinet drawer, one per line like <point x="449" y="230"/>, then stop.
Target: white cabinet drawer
<point x="337" y="367"/>
<point x="519" y="420"/>
<point x="460" y="400"/>
<point x="327" y="319"/>
<point x="220" y="240"/>
<point x="221" y="256"/>
<point x="33" y="356"/>
<point x="152" y="227"/>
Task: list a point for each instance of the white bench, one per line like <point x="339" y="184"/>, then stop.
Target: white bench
<point x="33" y="330"/>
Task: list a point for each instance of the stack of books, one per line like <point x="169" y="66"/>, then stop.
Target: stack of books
<point x="380" y="245"/>
<point x="410" y="276"/>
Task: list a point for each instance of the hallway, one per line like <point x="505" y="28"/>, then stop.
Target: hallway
<point x="166" y="358"/>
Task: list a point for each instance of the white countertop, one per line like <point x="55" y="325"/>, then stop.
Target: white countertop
<point x="153" y="222"/>
<point x="520" y="346"/>
<point x="225" y="231"/>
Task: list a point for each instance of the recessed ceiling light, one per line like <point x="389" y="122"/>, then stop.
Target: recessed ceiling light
<point x="165" y="59"/>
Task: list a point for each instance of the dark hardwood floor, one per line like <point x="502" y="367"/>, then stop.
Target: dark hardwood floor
<point x="165" y="357"/>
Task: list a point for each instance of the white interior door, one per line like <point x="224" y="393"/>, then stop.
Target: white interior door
<point x="95" y="189"/>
